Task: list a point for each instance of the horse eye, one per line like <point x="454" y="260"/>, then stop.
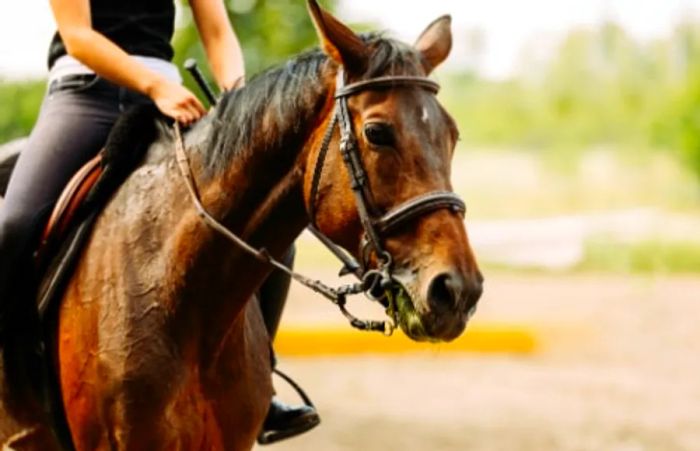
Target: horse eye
<point x="379" y="134"/>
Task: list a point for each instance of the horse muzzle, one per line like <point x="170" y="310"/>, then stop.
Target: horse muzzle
<point x="439" y="307"/>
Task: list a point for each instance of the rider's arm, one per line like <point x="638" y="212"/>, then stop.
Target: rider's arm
<point x="108" y="60"/>
<point x="220" y="42"/>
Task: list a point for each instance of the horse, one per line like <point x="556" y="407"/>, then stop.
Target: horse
<point x="158" y="345"/>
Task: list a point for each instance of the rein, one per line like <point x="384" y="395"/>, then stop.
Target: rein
<point x="376" y="283"/>
<point x="338" y="296"/>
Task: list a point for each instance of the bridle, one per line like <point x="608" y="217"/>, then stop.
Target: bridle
<point x="375" y="225"/>
<point x="376" y="283"/>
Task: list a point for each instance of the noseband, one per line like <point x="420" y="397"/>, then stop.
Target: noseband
<point x="375" y="283"/>
<point x="376" y="226"/>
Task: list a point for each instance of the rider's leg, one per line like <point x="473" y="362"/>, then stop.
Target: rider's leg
<point x="282" y="421"/>
<point x="273" y="294"/>
<point x="70" y="129"/>
<point x="72" y="126"/>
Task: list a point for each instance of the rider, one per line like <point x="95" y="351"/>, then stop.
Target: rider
<point x="109" y="55"/>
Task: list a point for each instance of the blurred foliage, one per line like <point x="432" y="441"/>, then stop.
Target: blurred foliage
<point x="600" y="88"/>
<point x="643" y="257"/>
<point x="609" y="256"/>
<point x="20" y="103"/>
<point x="270" y="31"/>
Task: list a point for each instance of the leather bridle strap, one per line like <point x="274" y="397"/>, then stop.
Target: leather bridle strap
<point x="351" y="156"/>
<point x="373" y="224"/>
<point x="418" y="206"/>
<point x="390" y="81"/>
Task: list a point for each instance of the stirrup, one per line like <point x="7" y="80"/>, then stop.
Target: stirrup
<point x="300" y="391"/>
<point x="272" y="436"/>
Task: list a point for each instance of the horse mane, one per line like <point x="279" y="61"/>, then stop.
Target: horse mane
<point x="283" y="99"/>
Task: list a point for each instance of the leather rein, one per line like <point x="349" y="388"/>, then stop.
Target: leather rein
<point x="375" y="283"/>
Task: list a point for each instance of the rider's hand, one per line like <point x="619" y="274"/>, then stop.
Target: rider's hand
<point x="177" y="102"/>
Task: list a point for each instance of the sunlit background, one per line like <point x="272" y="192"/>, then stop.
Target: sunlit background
<point x="579" y="161"/>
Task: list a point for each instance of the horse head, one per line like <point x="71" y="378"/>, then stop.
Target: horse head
<point x="402" y="141"/>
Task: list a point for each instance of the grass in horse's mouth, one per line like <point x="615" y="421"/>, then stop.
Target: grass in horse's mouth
<point x="407" y="317"/>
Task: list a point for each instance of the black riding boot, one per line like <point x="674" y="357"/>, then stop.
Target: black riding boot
<point x="6" y="292"/>
<point x="13" y="269"/>
<point x="282" y="421"/>
<point x="19" y="327"/>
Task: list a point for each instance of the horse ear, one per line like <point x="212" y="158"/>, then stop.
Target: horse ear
<point x="337" y="40"/>
<point x="435" y="42"/>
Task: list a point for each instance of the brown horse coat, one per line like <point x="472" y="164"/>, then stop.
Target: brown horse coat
<point x="158" y="344"/>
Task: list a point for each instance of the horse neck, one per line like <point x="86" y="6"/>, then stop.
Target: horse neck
<point x="259" y="197"/>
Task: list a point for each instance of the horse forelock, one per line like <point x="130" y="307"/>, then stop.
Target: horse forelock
<point x="282" y="100"/>
<point x="391" y="57"/>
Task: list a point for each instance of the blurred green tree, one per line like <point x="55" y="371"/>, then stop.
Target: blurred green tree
<point x="20" y="104"/>
<point x="678" y="124"/>
<point x="270" y="31"/>
<point x="601" y="87"/>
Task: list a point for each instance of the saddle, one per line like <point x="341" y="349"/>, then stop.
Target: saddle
<point x="73" y="216"/>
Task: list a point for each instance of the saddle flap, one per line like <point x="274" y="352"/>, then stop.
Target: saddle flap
<point x="69" y="202"/>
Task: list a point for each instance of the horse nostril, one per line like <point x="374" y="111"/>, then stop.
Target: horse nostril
<point x="452" y="290"/>
<point x="476" y="289"/>
<point x="446" y="290"/>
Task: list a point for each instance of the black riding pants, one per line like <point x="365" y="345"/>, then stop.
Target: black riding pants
<point x="75" y="119"/>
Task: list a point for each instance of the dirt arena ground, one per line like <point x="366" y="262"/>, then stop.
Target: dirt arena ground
<point x="617" y="369"/>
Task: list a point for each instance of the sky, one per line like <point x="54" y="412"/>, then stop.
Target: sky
<point x="505" y="26"/>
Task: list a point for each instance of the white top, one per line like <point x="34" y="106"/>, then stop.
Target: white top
<point x="67" y="65"/>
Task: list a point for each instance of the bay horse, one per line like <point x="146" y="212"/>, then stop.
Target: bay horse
<point x="158" y="345"/>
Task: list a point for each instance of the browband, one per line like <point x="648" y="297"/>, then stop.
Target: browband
<point x="390" y="81"/>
